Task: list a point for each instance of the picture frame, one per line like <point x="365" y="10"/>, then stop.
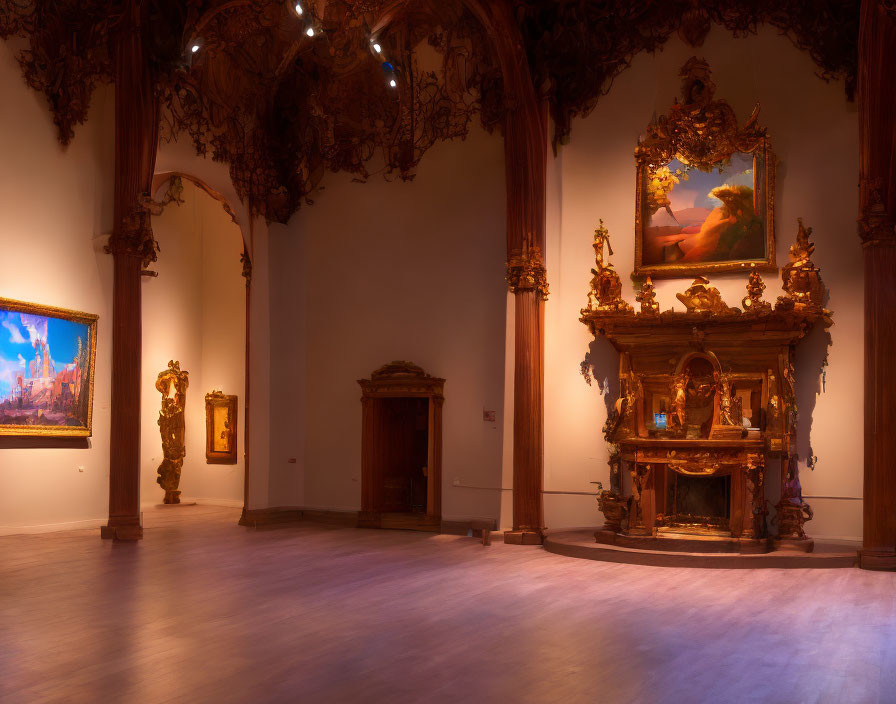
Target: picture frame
<point x="705" y="187"/>
<point x="220" y="428"/>
<point x="49" y="394"/>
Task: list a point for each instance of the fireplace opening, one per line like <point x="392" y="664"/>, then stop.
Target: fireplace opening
<point x="698" y="502"/>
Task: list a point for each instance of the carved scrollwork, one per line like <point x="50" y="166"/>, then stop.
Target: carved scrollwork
<point x="605" y="293"/>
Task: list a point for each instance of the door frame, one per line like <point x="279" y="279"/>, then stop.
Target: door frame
<point x="400" y="380"/>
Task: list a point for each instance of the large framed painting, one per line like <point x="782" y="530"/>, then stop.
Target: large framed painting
<point x="47" y="358"/>
<point x="705" y="187"/>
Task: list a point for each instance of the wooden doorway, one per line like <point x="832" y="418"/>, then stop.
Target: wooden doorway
<point x="401" y="449"/>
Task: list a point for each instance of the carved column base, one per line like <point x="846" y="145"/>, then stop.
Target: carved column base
<point x="523" y="537"/>
<point x="882" y="560"/>
<point x="125" y="531"/>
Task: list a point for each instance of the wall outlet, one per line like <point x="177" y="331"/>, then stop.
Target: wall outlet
<point x="489" y="416"/>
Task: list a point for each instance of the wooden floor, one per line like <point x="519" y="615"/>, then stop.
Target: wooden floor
<point x="203" y="610"/>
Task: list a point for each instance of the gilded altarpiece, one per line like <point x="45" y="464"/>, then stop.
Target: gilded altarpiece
<point x="707" y="409"/>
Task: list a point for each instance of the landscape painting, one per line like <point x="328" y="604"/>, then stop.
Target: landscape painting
<point x="47" y="358"/>
<point x="696" y="222"/>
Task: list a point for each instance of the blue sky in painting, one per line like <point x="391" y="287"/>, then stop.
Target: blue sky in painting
<point x="694" y="193"/>
<point x="16" y="348"/>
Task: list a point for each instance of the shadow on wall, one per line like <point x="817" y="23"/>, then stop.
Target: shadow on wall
<point x="810" y="362"/>
<point x="601" y="365"/>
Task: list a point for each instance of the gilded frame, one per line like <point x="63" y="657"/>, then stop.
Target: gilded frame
<point x="214" y="400"/>
<point x="704" y="133"/>
<point x="91" y="321"/>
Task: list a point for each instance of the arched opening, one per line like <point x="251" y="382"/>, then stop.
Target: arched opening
<point x="194" y="314"/>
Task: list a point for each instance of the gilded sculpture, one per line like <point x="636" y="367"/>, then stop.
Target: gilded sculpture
<point x="606" y="288"/>
<point x="753" y="302"/>
<point x="647" y="298"/>
<point x="700" y="297"/>
<point x="800" y="277"/>
<point x="172" y="384"/>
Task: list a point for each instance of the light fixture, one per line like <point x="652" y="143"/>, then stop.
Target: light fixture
<point x="377" y="48"/>
<point x="299" y="10"/>
<point x="310" y="31"/>
<point x="194" y="48"/>
<point x="392" y="82"/>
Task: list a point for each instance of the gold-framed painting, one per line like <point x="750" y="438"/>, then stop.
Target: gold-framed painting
<point x="220" y="428"/>
<point x="705" y="189"/>
<point x="47" y="368"/>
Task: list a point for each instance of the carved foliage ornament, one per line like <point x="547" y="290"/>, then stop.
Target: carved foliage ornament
<point x="526" y="272"/>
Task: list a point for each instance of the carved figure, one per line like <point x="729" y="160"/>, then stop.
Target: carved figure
<point x="640" y="473"/>
<point x="680" y="398"/>
<point x="800" y="277"/>
<point x="606" y="288"/>
<point x="172" y="384"/>
<point x="726" y="410"/>
<point x="701" y="297"/>
<point x="633" y="393"/>
<point x="647" y="298"/>
<point x="753" y="302"/>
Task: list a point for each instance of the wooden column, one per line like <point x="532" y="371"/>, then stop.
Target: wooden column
<point x="877" y="139"/>
<point x="525" y="154"/>
<point x="132" y="246"/>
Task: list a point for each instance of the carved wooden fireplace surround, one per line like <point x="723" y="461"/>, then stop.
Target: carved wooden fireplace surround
<point x="707" y="392"/>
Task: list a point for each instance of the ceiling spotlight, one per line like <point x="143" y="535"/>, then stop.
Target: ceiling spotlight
<point x="392" y="82"/>
<point x="194" y="48"/>
<point x="377" y="48"/>
<point x="299" y="10"/>
<point x="310" y="31"/>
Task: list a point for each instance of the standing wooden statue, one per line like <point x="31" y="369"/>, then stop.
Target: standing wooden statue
<point x="172" y="384"/>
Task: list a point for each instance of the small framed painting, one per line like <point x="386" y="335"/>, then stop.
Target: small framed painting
<point x="220" y="428"/>
<point x="47" y="358"/>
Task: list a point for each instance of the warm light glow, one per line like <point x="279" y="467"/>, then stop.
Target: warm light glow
<point x="310" y="31"/>
<point x="299" y="10"/>
<point x="393" y="83"/>
<point x="194" y="48"/>
<point x="377" y="48"/>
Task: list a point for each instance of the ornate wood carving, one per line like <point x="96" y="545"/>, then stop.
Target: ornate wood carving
<point x="708" y="393"/>
<point x="172" y="383"/>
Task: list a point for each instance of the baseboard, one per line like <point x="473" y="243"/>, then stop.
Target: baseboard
<point x="229" y="503"/>
<point x="288" y="514"/>
<point x="466" y="526"/>
<point x="53" y="527"/>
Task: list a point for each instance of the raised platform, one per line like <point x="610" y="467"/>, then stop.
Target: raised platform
<point x="580" y="543"/>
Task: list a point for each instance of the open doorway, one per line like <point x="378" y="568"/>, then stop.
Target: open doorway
<point x="401" y="449"/>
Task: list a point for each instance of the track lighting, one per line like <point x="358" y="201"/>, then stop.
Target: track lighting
<point x="310" y="31"/>
<point x="194" y="48"/>
<point x="299" y="10"/>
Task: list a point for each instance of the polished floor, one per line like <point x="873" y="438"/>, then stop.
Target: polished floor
<point x="205" y="611"/>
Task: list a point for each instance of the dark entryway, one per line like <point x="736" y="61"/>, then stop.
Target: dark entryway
<point x="401" y="464"/>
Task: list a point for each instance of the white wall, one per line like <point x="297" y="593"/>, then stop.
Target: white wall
<point x="194" y="312"/>
<point x="55" y="206"/>
<point x="814" y="133"/>
<point x="382" y="271"/>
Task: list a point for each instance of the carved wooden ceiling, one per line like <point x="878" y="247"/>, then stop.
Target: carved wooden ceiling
<point x="281" y="107"/>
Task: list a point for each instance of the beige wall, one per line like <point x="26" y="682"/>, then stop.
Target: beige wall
<point x="382" y="271"/>
<point x="814" y="133"/>
<point x="55" y="206"/>
<point x="194" y="312"/>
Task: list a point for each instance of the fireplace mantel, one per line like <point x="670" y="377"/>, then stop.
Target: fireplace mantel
<point x="706" y="392"/>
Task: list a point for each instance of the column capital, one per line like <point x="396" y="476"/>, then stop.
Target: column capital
<point x="526" y="271"/>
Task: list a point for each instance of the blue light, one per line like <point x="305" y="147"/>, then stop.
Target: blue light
<point x="387" y="67"/>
